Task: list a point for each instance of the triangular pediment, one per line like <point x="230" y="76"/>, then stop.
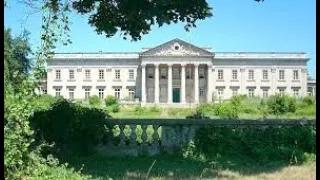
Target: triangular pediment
<point x="177" y="47"/>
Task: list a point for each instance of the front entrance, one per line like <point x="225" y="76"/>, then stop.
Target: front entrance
<point x="176" y="95"/>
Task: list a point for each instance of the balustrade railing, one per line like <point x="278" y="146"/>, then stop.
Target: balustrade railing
<point x="152" y="136"/>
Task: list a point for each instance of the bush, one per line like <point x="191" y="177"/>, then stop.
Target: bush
<point x="255" y="145"/>
<point x="227" y="111"/>
<point x="70" y="126"/>
<point x="138" y="110"/>
<point x="94" y="101"/>
<point x="206" y="109"/>
<point x="115" y="108"/>
<point x="279" y="104"/>
<point x="111" y="100"/>
<point x="307" y="111"/>
<point x="309" y="101"/>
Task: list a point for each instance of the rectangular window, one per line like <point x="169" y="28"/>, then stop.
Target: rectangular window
<point x="163" y="73"/>
<point x="101" y="93"/>
<point x="265" y="74"/>
<point x="201" y="73"/>
<point x="295" y="74"/>
<point x="117" y="93"/>
<point x="44" y="91"/>
<point x="220" y="93"/>
<point x="86" y="93"/>
<point x="189" y="73"/>
<point x="201" y="92"/>
<point x="176" y="73"/>
<point x="71" y="74"/>
<point x="131" y="74"/>
<point x="251" y="92"/>
<point x="58" y="74"/>
<point x="251" y="74"/>
<point x="87" y="74"/>
<point x="71" y="94"/>
<point x="150" y="72"/>
<point x="296" y="91"/>
<point x="101" y="74"/>
<point x="281" y="74"/>
<point x="117" y="74"/>
<point x="265" y="92"/>
<point x="281" y="91"/>
<point x="234" y="91"/>
<point x="220" y="74"/>
<point x="131" y="94"/>
<point x="58" y="92"/>
<point x="234" y="74"/>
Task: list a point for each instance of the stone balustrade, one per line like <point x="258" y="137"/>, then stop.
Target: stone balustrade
<point x="152" y="136"/>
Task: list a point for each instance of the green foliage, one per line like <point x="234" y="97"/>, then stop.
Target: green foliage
<point x="138" y="110"/>
<point x="309" y="101"/>
<point x="256" y="145"/>
<point x="70" y="126"/>
<point x="113" y="108"/>
<point x="306" y="111"/>
<point x="279" y="104"/>
<point x="94" y="101"/>
<point x="17" y="64"/>
<point x="154" y="109"/>
<point x="111" y="100"/>
<point x="263" y="109"/>
<point x="227" y="111"/>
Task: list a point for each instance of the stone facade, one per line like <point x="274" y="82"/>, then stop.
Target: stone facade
<point x="176" y="73"/>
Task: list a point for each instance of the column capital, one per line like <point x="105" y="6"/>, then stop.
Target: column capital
<point x="143" y="65"/>
<point x="156" y="65"/>
<point x="196" y="64"/>
<point x="169" y="64"/>
<point x="183" y="64"/>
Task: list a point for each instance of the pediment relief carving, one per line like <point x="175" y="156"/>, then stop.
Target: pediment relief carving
<point x="177" y="47"/>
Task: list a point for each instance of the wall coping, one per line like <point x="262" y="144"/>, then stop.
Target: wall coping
<point x="231" y="122"/>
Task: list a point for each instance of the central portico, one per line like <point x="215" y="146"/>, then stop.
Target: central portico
<point x="176" y="73"/>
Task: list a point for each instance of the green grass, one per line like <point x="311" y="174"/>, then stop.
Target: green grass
<point x="180" y="113"/>
<point x="176" y="167"/>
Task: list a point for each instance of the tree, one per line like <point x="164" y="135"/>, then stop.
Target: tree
<point x="17" y="64"/>
<point x="133" y="18"/>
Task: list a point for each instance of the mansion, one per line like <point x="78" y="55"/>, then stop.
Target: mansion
<point x="176" y="73"/>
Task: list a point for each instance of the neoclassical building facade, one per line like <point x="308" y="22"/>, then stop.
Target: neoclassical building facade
<point x="176" y="73"/>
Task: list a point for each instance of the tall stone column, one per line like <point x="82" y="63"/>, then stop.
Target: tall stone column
<point x="196" y="83"/>
<point x="143" y="84"/>
<point x="169" y="83"/>
<point x="209" y="83"/>
<point x="183" y="83"/>
<point x="156" y="84"/>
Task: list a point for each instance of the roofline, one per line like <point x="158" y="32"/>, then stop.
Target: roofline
<point x="211" y="52"/>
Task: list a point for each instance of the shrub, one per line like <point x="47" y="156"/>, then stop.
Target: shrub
<point x="94" y="101"/>
<point x="263" y="109"/>
<point x="255" y="145"/>
<point x="70" y="126"/>
<point x="279" y="104"/>
<point x="138" y="110"/>
<point x="306" y="111"/>
<point x="308" y="101"/>
<point x="206" y="109"/>
<point x="111" y="100"/>
<point x="227" y="111"/>
<point x="115" y="108"/>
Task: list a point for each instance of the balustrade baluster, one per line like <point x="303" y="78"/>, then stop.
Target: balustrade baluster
<point x="133" y="135"/>
<point x="122" y="135"/>
<point x="155" y="135"/>
<point x="144" y="135"/>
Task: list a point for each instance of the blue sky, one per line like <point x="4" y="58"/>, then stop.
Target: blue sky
<point x="236" y="25"/>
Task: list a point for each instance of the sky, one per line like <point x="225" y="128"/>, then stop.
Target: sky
<point x="236" y="26"/>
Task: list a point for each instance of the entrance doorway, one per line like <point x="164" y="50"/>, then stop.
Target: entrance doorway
<point x="176" y="95"/>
